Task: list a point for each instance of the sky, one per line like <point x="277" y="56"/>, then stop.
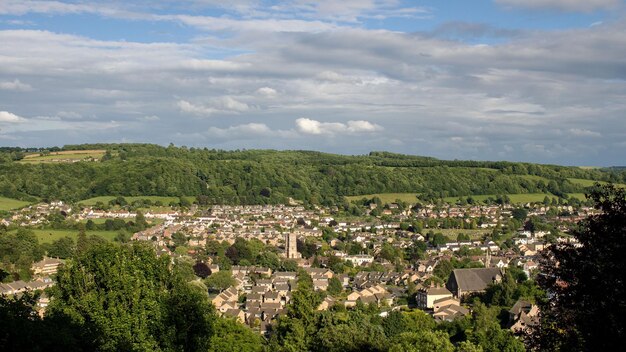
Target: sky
<point x="520" y="80"/>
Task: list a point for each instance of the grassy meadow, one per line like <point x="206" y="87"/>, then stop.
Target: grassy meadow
<point x="11" y="204"/>
<point x="63" y="156"/>
<point x="412" y="197"/>
<point x="49" y="236"/>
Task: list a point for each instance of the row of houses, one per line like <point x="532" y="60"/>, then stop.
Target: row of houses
<point x="20" y="286"/>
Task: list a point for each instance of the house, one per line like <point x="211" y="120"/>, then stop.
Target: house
<point x="360" y="259"/>
<point x="271" y="297"/>
<point x="427" y="296"/>
<point x="320" y="284"/>
<point x="375" y="294"/>
<point x="228" y="295"/>
<point x="523" y="315"/>
<point x="473" y="280"/>
<point x="448" y="309"/>
<point x="326" y="303"/>
<point x="47" y="266"/>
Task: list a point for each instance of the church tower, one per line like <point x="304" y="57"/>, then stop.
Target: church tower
<point x="291" y="246"/>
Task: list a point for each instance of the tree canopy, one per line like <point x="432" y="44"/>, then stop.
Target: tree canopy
<point x="587" y="306"/>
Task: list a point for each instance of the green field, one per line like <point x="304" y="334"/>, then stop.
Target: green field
<point x="10" y="204"/>
<point x="130" y="199"/>
<point x="453" y="233"/>
<point x="49" y="236"/>
<point x="589" y="183"/>
<point x="64" y="156"/>
<point x="412" y="197"/>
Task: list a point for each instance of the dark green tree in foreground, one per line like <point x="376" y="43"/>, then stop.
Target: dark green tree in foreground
<point x="123" y="297"/>
<point x="127" y="298"/>
<point x="587" y="306"/>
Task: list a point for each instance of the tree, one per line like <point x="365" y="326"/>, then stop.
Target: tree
<point x="443" y="269"/>
<point x="62" y="248"/>
<point x="179" y="238"/>
<point x="334" y="286"/>
<point x="201" y="270"/>
<point x="230" y="336"/>
<point x="424" y="341"/>
<point x="220" y="280"/>
<point x="519" y="214"/>
<point x="124" y="297"/>
<point x="587" y="309"/>
<point x="438" y="239"/>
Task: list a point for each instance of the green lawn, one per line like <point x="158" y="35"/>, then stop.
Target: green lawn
<point x="48" y="236"/>
<point x="130" y="199"/>
<point x="10" y="204"/>
<point x="453" y="233"/>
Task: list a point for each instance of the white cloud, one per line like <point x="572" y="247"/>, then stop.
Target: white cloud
<point x="250" y="129"/>
<point x="580" y="132"/>
<point x="564" y="5"/>
<point x="6" y="116"/>
<point x="309" y="126"/>
<point x="15" y="85"/>
<point x="225" y="104"/>
<point x="536" y="88"/>
<point x="266" y="92"/>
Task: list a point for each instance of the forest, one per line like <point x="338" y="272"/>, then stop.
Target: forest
<point x="269" y="176"/>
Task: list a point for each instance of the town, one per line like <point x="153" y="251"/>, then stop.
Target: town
<point x="250" y="258"/>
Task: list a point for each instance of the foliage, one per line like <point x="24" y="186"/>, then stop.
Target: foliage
<point x="587" y="306"/>
<point x="265" y="176"/>
<point x="230" y="336"/>
<point x="125" y="298"/>
<point x="18" y="251"/>
<point x="220" y="280"/>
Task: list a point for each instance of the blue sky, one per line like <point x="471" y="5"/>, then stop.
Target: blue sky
<point x="529" y="80"/>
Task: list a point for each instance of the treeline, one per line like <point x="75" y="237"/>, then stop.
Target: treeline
<point x="267" y="176"/>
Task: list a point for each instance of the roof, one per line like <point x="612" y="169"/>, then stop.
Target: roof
<point x="437" y="291"/>
<point x="520" y="306"/>
<point x="475" y="279"/>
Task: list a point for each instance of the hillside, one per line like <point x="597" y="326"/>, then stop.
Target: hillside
<point x="268" y="176"/>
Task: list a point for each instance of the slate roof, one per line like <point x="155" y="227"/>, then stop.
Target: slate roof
<point x="475" y="279"/>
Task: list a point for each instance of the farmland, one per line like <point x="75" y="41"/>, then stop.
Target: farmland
<point x="49" y="236"/>
<point x="64" y="156"/>
<point x="11" y="204"/>
<point x="412" y="197"/>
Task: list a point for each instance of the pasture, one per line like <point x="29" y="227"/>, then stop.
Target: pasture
<point x="66" y="156"/>
<point x="11" y="204"/>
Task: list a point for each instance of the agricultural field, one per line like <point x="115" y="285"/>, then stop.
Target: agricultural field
<point x="67" y="156"/>
<point x="412" y="197"/>
<point x="49" y="236"/>
<point x="130" y="199"/>
<point x="11" y="204"/>
<point x="589" y="183"/>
